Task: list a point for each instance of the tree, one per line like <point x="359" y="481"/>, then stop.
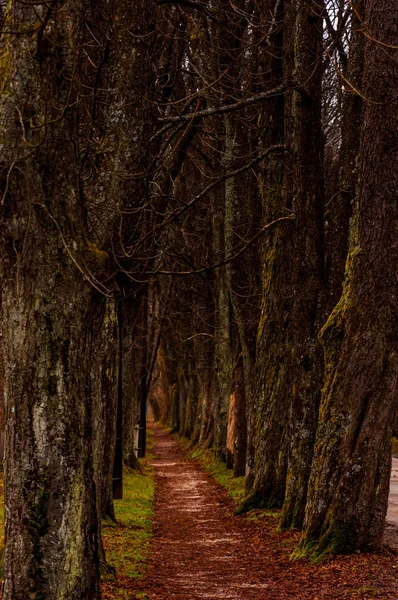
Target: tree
<point x="307" y="283"/>
<point x="58" y="265"/>
<point x="349" y="482"/>
<point x="52" y="314"/>
<point x="288" y="357"/>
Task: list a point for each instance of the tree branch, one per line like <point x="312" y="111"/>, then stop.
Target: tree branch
<point x="189" y="3"/>
<point x="228" y="260"/>
<point x="229" y="175"/>
<point x="207" y="112"/>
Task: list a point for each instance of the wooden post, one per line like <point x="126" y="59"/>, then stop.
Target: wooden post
<point x="142" y="422"/>
<point x="117" y="476"/>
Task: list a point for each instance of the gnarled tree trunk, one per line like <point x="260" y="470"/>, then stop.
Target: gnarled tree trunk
<point x="349" y="483"/>
<point x="287" y="360"/>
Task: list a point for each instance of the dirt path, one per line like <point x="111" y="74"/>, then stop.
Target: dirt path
<point x="201" y="550"/>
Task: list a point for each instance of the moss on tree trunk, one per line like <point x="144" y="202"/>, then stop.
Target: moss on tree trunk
<point x="348" y="489"/>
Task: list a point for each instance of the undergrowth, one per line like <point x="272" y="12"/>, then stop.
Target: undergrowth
<point x="128" y="543"/>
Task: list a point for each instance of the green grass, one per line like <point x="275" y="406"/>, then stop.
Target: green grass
<point x="127" y="543"/>
<point x="261" y="513"/>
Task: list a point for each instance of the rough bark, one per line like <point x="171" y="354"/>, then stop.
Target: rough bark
<point x="338" y="213"/>
<point x="240" y="437"/>
<point x="272" y="371"/>
<point x="287" y="354"/>
<point x="52" y="317"/>
<point x="307" y="285"/>
<point x="204" y="361"/>
<point x="133" y="345"/>
<point x="229" y="55"/>
<point x="2" y="407"/>
<point x="349" y="483"/>
<point x="120" y="159"/>
<point x="104" y="385"/>
<point x="222" y="228"/>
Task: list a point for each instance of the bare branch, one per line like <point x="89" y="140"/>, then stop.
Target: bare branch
<point x="207" y="189"/>
<point x="208" y="112"/>
<point x="230" y="259"/>
<point x="189" y="3"/>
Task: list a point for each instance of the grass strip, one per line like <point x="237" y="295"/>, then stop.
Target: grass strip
<point x="128" y="543"/>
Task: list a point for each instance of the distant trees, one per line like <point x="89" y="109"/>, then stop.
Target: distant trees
<point x="304" y="64"/>
<point x="177" y="186"/>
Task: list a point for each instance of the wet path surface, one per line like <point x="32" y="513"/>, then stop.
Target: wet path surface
<point x="201" y="550"/>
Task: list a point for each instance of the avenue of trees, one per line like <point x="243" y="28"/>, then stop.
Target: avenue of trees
<point x="198" y="210"/>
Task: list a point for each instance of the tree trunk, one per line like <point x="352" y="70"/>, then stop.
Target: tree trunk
<point x="104" y="385"/>
<point x="339" y="212"/>
<point x="349" y="483"/>
<point x="273" y="354"/>
<point x="49" y="492"/>
<point x="52" y="316"/>
<point x="240" y="438"/>
<point x="222" y="340"/>
<point x="2" y="407"/>
<point x="307" y="260"/>
<point x="134" y="347"/>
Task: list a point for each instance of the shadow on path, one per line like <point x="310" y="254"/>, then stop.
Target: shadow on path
<point x="201" y="550"/>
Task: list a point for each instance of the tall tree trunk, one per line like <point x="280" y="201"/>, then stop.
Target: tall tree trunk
<point x="52" y="316"/>
<point x="349" y="483"/>
<point x="222" y="339"/>
<point x="272" y="372"/>
<point x="287" y="359"/>
<point x="339" y="213"/>
<point x="205" y="363"/>
<point x="2" y="407"/>
<point x="240" y="437"/>
<point x="104" y="385"/>
<point x="307" y="259"/>
<point x="123" y="121"/>
<point x="132" y="347"/>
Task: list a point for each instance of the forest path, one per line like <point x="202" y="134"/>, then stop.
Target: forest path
<point x="201" y="550"/>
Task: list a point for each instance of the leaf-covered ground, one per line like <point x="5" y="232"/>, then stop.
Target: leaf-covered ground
<point x="202" y="550"/>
